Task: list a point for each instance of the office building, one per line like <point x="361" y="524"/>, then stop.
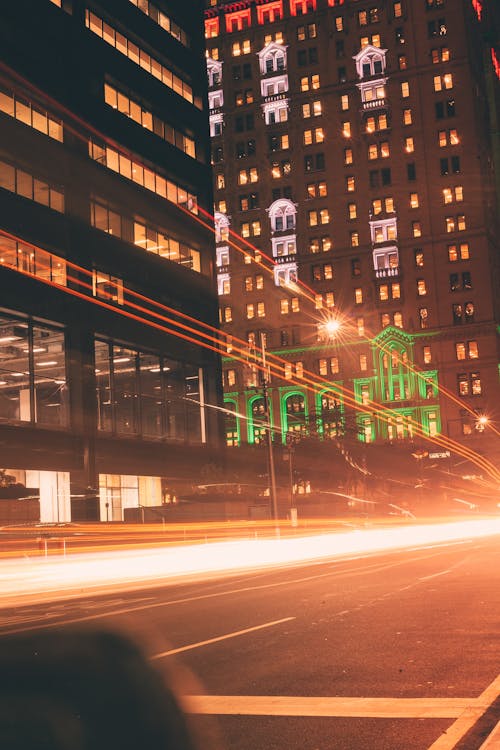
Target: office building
<point x="106" y="264"/>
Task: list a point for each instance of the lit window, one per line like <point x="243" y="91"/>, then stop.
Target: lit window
<point x="414" y="203"/>
<point x="409" y="145"/>
<point x="421" y="288"/>
<point x="472" y="350"/>
<point x="416" y="229"/>
<point x="352" y="210"/>
<point x="358" y="295"/>
<point x="405" y="89"/>
<point x="407" y="118"/>
<point x="346" y="129"/>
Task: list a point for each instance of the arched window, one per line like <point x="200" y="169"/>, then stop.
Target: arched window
<point x="257" y="422"/>
<point x="330" y="411"/>
<point x="370" y="61"/>
<point x="232" y="423"/>
<point x="221" y="227"/>
<point x="282" y="215"/>
<point x="272" y="59"/>
<point x="214" y="72"/>
<point x="294" y="410"/>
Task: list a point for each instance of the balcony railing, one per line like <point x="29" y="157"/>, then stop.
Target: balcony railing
<point x="275" y="97"/>
<point x="387" y="273"/>
<point x="375" y="104"/>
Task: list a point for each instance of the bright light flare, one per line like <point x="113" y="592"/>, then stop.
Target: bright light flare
<point x="78" y="574"/>
<point x="332" y="326"/>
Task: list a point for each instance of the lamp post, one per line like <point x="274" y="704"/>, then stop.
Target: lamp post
<point x="290" y="449"/>
<point x="269" y="432"/>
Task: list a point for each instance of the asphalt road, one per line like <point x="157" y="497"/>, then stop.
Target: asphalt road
<point x="393" y="651"/>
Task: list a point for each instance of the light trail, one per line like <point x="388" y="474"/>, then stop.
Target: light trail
<point x="308" y="381"/>
<point x="75" y="575"/>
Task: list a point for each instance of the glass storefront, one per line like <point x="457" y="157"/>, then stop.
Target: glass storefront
<point x="33" y="383"/>
<point x="139" y="393"/>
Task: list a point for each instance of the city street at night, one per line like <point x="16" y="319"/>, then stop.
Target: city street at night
<point x="390" y="650"/>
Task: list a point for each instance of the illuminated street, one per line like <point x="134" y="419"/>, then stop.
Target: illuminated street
<point x="389" y="650"/>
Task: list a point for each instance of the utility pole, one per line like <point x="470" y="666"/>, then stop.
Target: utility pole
<point x="269" y="432"/>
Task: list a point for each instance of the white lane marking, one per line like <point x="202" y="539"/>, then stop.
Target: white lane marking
<point x="436" y="575"/>
<point x="378" y="708"/>
<point x="493" y="741"/>
<point x="466" y="721"/>
<point x="220" y="638"/>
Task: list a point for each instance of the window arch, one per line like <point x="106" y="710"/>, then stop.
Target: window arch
<point x="330" y="410"/>
<point x="232" y="423"/>
<point x="214" y="72"/>
<point x="282" y="215"/>
<point x="394" y="372"/>
<point x="370" y="61"/>
<point x="272" y="59"/>
<point x="221" y="227"/>
<point x="257" y="419"/>
<point x="294" y="412"/>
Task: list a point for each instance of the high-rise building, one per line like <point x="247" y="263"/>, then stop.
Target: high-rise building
<point x="354" y="148"/>
<point x="106" y="271"/>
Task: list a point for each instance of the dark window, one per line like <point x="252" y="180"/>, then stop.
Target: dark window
<point x="239" y="125"/>
<point x="339" y="48"/>
<point x="454" y="282"/>
<point x="251" y="147"/>
<point x="377" y="66"/>
<point x="356" y="267"/>
<point x="287" y="192"/>
<point x="284" y="338"/>
<point x="247" y="70"/>
<point x="374" y="178"/>
<point x="400" y="35"/>
<point x="411" y="171"/>
<point x="218" y="155"/>
<point x="308" y="163"/>
<point x="276" y="194"/>
<point x="313" y="55"/>
<point x="342" y="75"/>
<point x="249" y="122"/>
<point x="450" y="108"/>
<point x="236" y="72"/>
<point x="455" y="164"/>
<point x="444" y="166"/>
<point x="466" y="280"/>
<point x="386" y="176"/>
<point x="302" y="57"/>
